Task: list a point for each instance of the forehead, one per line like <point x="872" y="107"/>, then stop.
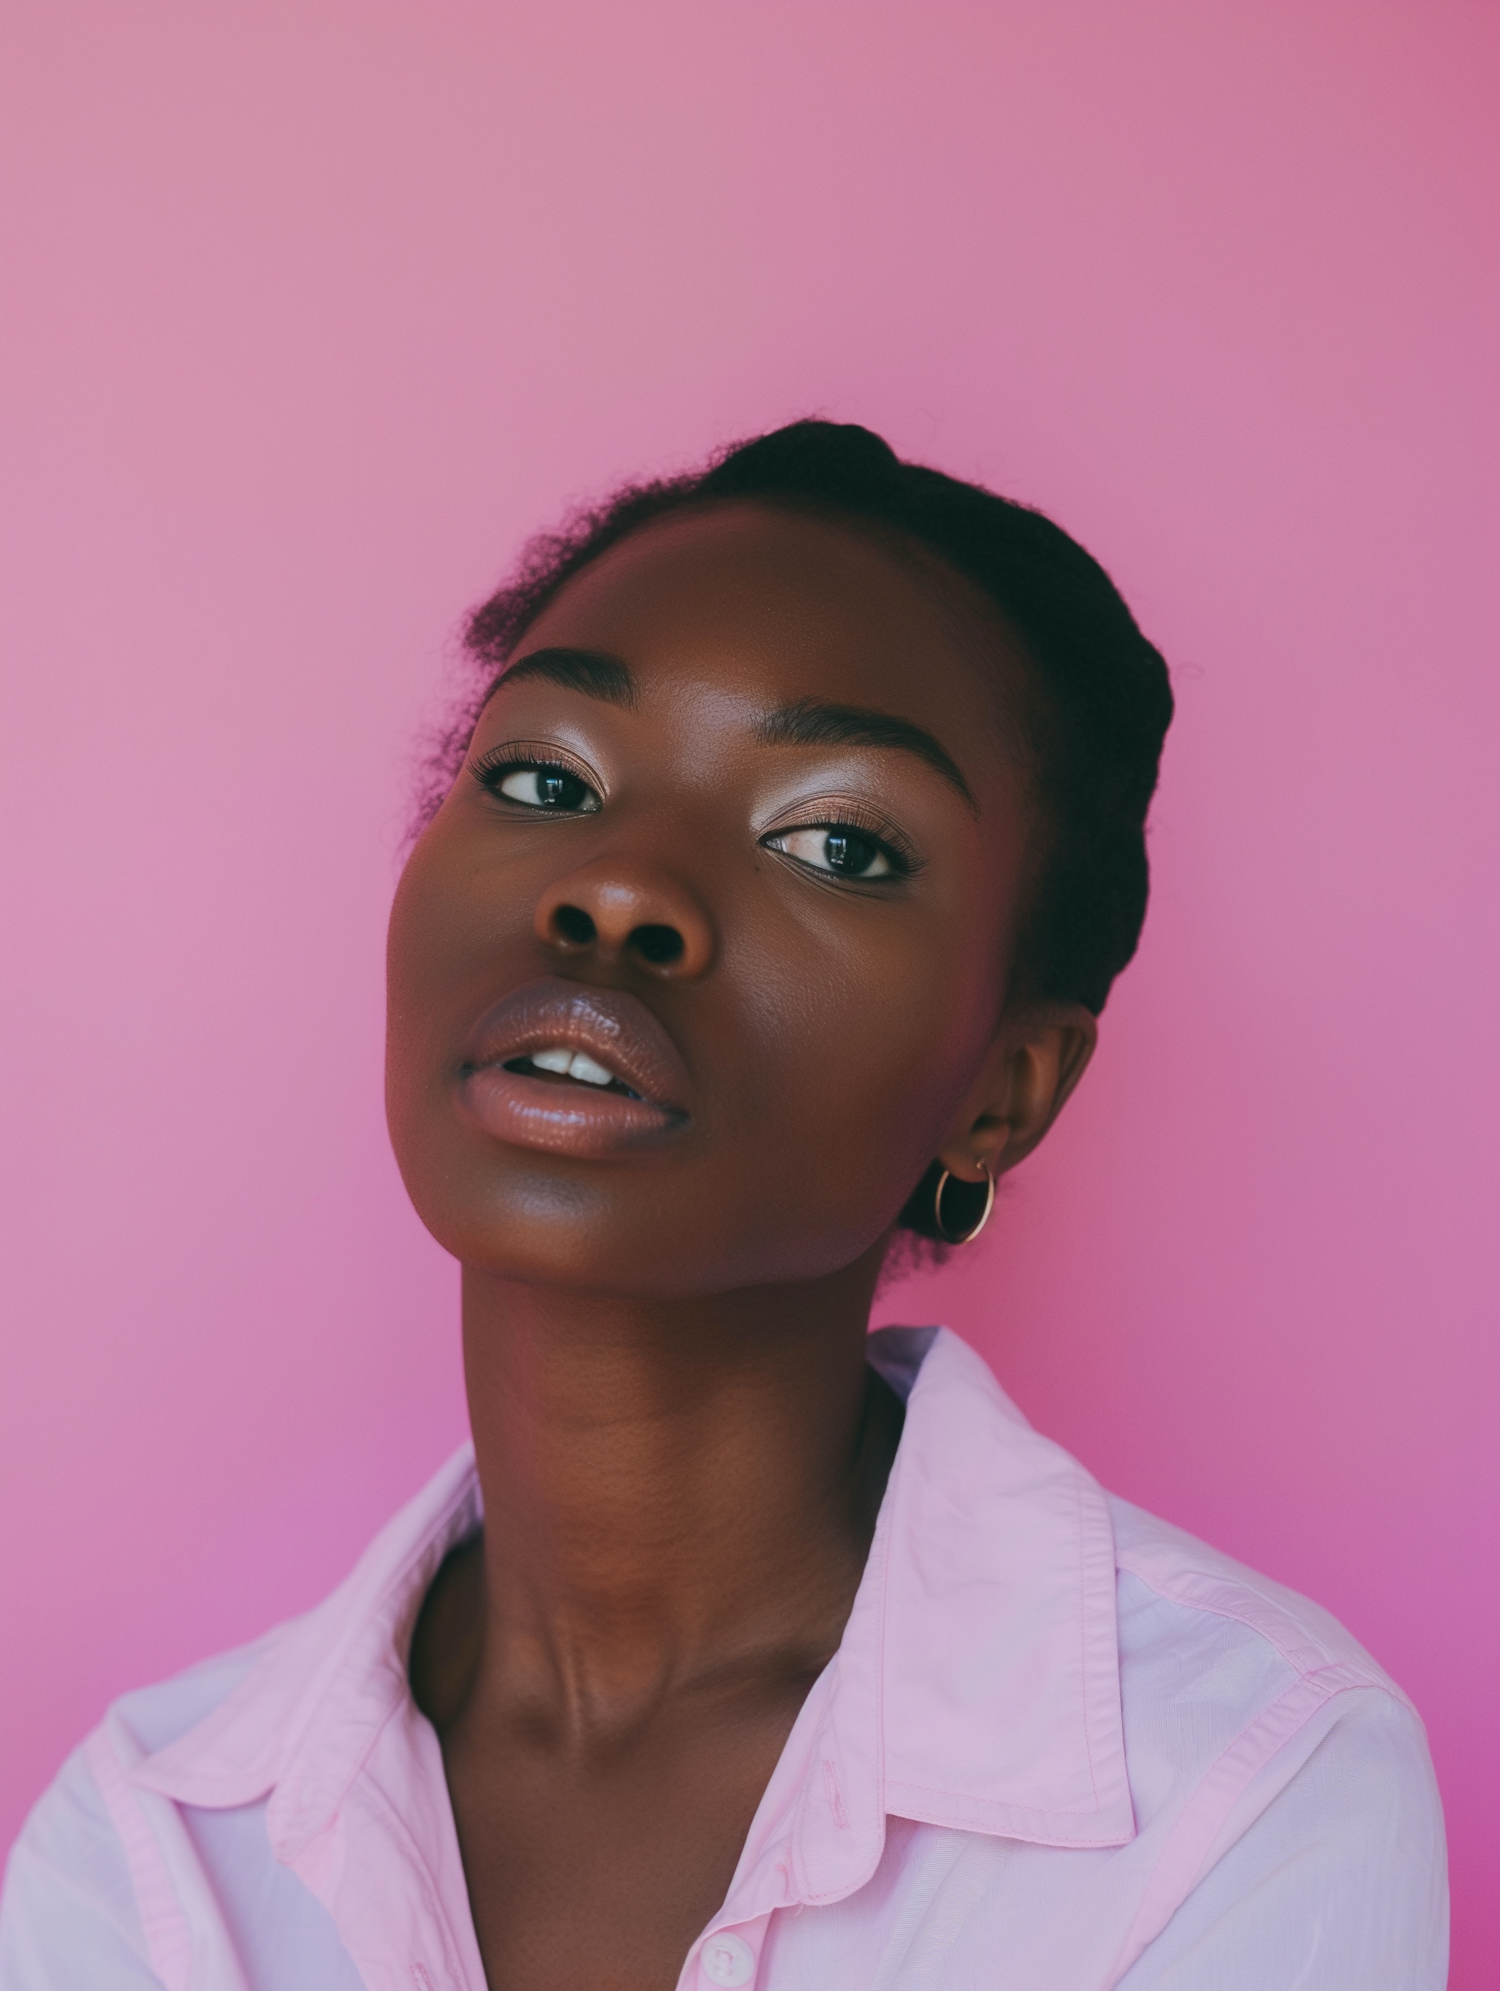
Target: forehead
<point x="778" y="605"/>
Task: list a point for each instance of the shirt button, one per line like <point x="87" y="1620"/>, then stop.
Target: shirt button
<point x="727" y="1959"/>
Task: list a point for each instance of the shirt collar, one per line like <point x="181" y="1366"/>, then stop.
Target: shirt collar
<point x="977" y="1684"/>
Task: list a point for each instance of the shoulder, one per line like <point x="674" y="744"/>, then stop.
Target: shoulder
<point x="169" y="1709"/>
<point x="1204" y="1639"/>
<point x="1269" y="1756"/>
<point x="1209" y="1646"/>
<point x="1198" y="1588"/>
<point x="74" y="1811"/>
<point x="70" y="1913"/>
<point x="107" y="1885"/>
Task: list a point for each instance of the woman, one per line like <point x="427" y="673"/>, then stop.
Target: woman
<point x="773" y="887"/>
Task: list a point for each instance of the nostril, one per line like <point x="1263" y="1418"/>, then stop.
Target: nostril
<point x="572" y="924"/>
<point x="660" y="945"/>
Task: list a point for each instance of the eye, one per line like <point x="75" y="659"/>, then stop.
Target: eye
<point x="546" y="788"/>
<point x="837" y="848"/>
<point x="538" y="785"/>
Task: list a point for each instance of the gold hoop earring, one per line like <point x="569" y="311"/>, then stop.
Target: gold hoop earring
<point x="984" y="1216"/>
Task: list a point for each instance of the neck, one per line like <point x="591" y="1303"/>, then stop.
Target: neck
<point x="671" y="1488"/>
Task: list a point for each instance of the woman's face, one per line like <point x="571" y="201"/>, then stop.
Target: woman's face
<point x="702" y="959"/>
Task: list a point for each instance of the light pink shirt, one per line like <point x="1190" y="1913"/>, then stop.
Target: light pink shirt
<point x="1061" y="1747"/>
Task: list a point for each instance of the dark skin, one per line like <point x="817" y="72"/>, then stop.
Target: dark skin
<point x="681" y="1447"/>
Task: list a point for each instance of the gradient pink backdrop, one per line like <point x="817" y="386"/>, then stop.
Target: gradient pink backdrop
<point x="316" y="308"/>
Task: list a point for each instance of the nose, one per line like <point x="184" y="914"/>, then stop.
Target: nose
<point x="620" y="909"/>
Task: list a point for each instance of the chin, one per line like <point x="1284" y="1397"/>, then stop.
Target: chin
<point x="562" y="1236"/>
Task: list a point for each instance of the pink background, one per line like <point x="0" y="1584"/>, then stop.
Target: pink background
<point x="316" y="308"/>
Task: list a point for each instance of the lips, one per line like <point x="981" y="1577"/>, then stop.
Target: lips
<point x="611" y="1079"/>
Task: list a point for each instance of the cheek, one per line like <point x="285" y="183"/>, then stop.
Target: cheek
<point x="864" y="1053"/>
<point x="452" y="916"/>
<point x="414" y="946"/>
<point x="444" y="934"/>
<point x="408" y="956"/>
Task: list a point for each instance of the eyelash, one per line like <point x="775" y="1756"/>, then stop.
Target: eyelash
<point x="876" y="830"/>
<point x="492" y="768"/>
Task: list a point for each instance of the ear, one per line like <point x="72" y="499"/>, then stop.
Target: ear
<point x="1031" y="1068"/>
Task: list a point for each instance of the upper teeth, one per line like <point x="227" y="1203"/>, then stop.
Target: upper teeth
<point x="574" y="1064"/>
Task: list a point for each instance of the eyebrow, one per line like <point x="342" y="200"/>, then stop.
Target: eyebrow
<point x="811" y="723"/>
<point x="593" y="672"/>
